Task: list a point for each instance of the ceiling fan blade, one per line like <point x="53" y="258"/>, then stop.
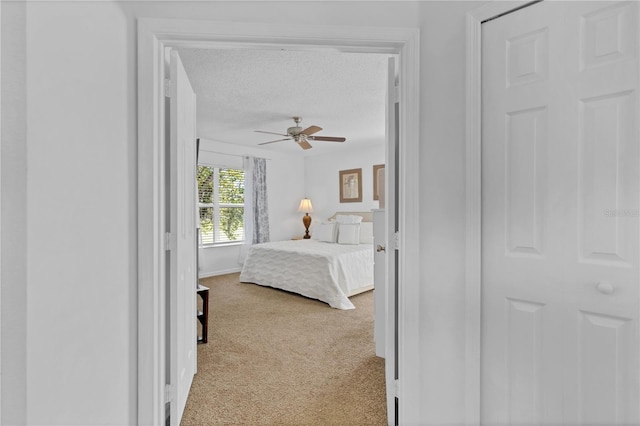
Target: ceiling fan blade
<point x="304" y="144"/>
<point x="311" y="130"/>
<point x="271" y="133"/>
<point x="327" y="138"/>
<point x="279" y="140"/>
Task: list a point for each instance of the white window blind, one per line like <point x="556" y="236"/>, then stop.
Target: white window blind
<point x="221" y="205"/>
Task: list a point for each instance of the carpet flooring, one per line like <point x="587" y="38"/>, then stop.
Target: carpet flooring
<point x="277" y="358"/>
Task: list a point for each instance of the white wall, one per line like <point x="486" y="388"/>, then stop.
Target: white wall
<point x="442" y="209"/>
<point x="81" y="157"/>
<point x="321" y="179"/>
<point x="81" y="228"/>
<point x="13" y="204"/>
<point x="285" y="189"/>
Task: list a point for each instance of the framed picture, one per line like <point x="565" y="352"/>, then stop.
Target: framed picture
<point x="351" y="186"/>
<point x="376" y="167"/>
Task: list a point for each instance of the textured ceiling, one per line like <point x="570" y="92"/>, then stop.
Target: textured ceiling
<point x="242" y="90"/>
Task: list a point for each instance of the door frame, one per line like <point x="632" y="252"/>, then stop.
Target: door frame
<point x="473" y="249"/>
<point x="154" y="37"/>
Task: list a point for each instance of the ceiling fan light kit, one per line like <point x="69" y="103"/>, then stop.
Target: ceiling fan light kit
<point x="300" y="136"/>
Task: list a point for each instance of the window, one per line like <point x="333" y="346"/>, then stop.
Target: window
<point x="221" y="205"/>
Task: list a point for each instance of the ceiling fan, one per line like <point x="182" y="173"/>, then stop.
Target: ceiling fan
<point x="300" y="136"/>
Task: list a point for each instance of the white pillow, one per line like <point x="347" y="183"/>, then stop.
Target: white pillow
<point x="326" y="231"/>
<point x="348" y="218"/>
<point x="349" y="233"/>
<point x="366" y="233"/>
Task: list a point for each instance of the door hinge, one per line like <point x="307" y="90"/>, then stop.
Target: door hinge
<point x="167" y="88"/>
<point x="169" y="241"/>
<point x="394" y="388"/>
<point x="396" y="240"/>
<point x="396" y="93"/>
<point x="169" y="392"/>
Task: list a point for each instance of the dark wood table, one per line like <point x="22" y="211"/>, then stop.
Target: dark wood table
<point x="203" y="315"/>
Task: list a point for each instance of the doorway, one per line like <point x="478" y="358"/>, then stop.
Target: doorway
<point x="255" y="74"/>
<point x="154" y="37"/>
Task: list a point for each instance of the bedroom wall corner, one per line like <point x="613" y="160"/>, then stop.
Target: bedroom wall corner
<point x="322" y="179"/>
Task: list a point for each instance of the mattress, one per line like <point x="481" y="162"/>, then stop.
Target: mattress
<point x="319" y="270"/>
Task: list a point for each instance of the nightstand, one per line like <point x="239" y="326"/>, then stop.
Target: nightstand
<point x="203" y="316"/>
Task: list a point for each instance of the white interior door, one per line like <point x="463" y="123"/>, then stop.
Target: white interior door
<point x="560" y="182"/>
<point x="379" y="281"/>
<point x="391" y="254"/>
<point x="183" y="279"/>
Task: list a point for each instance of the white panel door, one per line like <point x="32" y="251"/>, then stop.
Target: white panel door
<point x="391" y="254"/>
<point x="183" y="279"/>
<point x="560" y="182"/>
<point x="379" y="281"/>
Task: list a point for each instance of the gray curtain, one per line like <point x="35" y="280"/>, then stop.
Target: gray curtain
<point x="256" y="213"/>
<point x="260" y="206"/>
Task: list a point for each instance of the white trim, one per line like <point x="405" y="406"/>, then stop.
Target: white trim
<point x="473" y="224"/>
<point x="224" y="244"/>
<point x="1" y="258"/>
<point x="151" y="228"/>
<point x="473" y="267"/>
<point x="154" y="35"/>
<point x="218" y="273"/>
<point x="409" y="339"/>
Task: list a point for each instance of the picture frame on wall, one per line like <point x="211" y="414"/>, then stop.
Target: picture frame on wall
<point x="351" y="186"/>
<point x="376" y="192"/>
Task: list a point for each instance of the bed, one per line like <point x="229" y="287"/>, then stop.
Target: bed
<point x="330" y="267"/>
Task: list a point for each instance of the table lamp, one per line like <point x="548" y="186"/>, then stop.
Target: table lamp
<point x="306" y="207"/>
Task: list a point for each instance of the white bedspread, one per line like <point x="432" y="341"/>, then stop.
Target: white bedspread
<point x="324" y="271"/>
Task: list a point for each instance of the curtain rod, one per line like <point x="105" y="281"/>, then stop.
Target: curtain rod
<point x="233" y="155"/>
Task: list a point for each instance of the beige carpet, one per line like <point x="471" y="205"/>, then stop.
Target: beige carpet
<point x="276" y="358"/>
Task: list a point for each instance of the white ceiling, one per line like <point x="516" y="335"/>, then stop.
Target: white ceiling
<point x="242" y="90"/>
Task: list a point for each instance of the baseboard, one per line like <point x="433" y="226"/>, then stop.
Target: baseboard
<point x="216" y="273"/>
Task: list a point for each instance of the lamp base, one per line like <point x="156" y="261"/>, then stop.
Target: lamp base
<point x="306" y="220"/>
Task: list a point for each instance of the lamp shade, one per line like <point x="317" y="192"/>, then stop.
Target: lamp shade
<point x="305" y="206"/>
